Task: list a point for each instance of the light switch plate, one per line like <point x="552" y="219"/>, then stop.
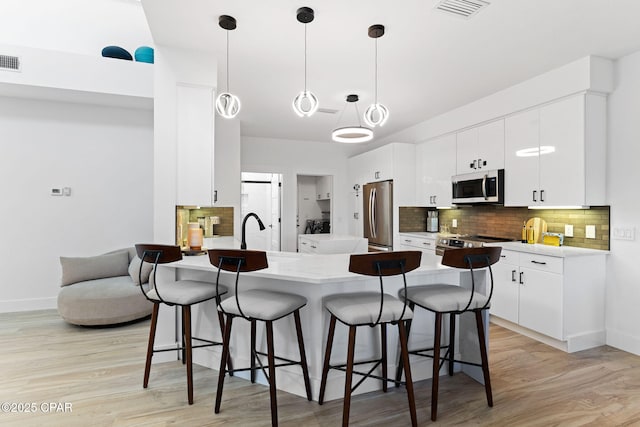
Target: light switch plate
<point x="568" y="230"/>
<point x="624" y="233"/>
<point x="590" y="232"/>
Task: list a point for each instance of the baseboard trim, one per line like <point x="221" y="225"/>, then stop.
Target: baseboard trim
<point x="31" y="304"/>
<point x="623" y="341"/>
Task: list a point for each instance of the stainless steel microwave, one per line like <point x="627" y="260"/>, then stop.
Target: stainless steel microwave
<point x="478" y="187"/>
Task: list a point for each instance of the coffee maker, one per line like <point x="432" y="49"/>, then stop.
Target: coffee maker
<point x="432" y="221"/>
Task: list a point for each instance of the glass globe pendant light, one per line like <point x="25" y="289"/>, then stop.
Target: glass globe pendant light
<point x="227" y="104"/>
<point x="305" y="103"/>
<point x="376" y="114"/>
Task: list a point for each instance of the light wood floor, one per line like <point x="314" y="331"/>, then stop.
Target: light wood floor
<point x="99" y="372"/>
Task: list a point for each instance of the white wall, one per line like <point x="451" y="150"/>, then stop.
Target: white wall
<point x="623" y="176"/>
<point x="104" y="155"/>
<point x="292" y="158"/>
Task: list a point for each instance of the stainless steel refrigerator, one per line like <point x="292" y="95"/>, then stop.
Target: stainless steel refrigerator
<point x="378" y="215"/>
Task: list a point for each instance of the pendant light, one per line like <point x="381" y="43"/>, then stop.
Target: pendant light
<point x="305" y="103"/>
<point x="352" y="134"/>
<point x="376" y="114"/>
<point x="227" y="104"/>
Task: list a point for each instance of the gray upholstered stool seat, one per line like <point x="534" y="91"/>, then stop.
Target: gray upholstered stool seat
<point x="184" y="292"/>
<point x="371" y="309"/>
<point x="256" y="305"/>
<point x="443" y="298"/>
<point x="262" y="304"/>
<point x="181" y="293"/>
<point x="362" y="308"/>
<point x="454" y="300"/>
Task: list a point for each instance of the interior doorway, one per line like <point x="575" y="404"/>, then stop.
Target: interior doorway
<point x="261" y="193"/>
<point x="314" y="204"/>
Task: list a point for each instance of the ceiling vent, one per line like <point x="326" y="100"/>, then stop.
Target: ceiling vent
<point x="10" y="63"/>
<point x="461" y="8"/>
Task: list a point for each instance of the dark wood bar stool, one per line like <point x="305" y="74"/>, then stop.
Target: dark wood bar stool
<point x="181" y="293"/>
<point x="257" y="305"/>
<point x="371" y="309"/>
<point x="454" y="301"/>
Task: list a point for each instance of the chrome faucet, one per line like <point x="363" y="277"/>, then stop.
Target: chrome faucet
<point x="243" y="244"/>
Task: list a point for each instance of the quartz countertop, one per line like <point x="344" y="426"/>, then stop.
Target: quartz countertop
<point x="555" y="251"/>
<point x="328" y="236"/>
<point x="310" y="268"/>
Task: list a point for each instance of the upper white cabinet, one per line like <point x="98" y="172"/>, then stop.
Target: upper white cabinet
<point x="208" y="150"/>
<point x="435" y="164"/>
<point x="323" y="187"/>
<point x="481" y="148"/>
<point x="555" y="154"/>
<point x="194" y="154"/>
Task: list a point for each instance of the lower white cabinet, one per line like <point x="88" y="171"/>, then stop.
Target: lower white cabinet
<point x="558" y="297"/>
<point x="331" y="244"/>
<point x="410" y="242"/>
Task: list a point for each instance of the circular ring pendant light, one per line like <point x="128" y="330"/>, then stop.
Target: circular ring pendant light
<point x="227" y="104"/>
<point x="376" y="114"/>
<point x="352" y="134"/>
<point x="305" y="103"/>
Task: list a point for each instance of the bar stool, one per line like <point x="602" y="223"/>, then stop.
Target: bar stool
<point x="181" y="293"/>
<point x="454" y="300"/>
<point x="257" y="305"/>
<point x="371" y="309"/>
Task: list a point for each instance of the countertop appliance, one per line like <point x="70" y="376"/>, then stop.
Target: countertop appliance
<point x="432" y="221"/>
<point x="378" y="215"/>
<point x="478" y="187"/>
<point x="317" y="226"/>
<point x="456" y="241"/>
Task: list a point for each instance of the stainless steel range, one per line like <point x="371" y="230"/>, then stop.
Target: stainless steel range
<point x="456" y="241"/>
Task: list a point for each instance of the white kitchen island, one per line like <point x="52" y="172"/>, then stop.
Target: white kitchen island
<point x="314" y="277"/>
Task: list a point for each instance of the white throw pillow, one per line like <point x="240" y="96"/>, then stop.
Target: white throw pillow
<point x="134" y="269"/>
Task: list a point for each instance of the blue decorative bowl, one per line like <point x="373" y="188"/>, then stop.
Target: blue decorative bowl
<point x="116" y="52"/>
<point x="144" y="54"/>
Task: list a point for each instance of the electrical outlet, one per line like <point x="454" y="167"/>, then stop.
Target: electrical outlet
<point x="624" y="233"/>
<point x="590" y="232"/>
<point x="568" y="230"/>
<point x="454" y="223"/>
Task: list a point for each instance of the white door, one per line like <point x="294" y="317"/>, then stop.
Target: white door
<point x="491" y="145"/>
<point x="541" y="302"/>
<point x="506" y="292"/>
<point x="260" y="197"/>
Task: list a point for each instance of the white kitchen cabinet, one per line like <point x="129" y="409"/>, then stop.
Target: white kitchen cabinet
<point x="194" y="154"/>
<point x="480" y="148"/>
<point x="208" y="151"/>
<point x="546" y="145"/>
<point x="506" y="290"/>
<point x="331" y="244"/>
<point x="435" y="165"/>
<point x="561" y="298"/>
<point x="323" y="187"/>
<point x="424" y="242"/>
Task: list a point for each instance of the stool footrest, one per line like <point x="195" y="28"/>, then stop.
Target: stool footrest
<point x="366" y="375"/>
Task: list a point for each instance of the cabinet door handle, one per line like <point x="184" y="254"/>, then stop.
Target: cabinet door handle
<point x="542" y="195"/>
<point x="503" y="256"/>
<point x="426" y="243"/>
<point x="474" y="164"/>
<point x="407" y="240"/>
<point x="314" y="247"/>
<point x="304" y="243"/>
<point x="522" y="277"/>
<point x="539" y="262"/>
<point x="513" y="275"/>
<point x="479" y="163"/>
<point x="434" y="199"/>
<point x="215" y="196"/>
<point x="534" y="195"/>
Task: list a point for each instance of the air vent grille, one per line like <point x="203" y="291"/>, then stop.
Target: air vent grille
<point x="8" y="62"/>
<point x="461" y="8"/>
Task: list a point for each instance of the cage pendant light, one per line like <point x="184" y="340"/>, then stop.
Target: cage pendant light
<point x="227" y="104"/>
<point x="376" y="114"/>
<point x="352" y="134"/>
<point x="305" y="103"/>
